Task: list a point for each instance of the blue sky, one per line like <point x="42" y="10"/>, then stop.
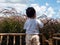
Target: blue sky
<point x="49" y="7"/>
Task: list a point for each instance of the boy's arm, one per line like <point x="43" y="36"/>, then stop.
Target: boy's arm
<point x="40" y="24"/>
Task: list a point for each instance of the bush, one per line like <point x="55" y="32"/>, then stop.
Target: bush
<point x="50" y="27"/>
<point x="11" y="25"/>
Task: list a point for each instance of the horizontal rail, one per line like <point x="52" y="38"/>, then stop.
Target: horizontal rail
<point x="14" y="34"/>
<point x="56" y="38"/>
<point x="56" y="34"/>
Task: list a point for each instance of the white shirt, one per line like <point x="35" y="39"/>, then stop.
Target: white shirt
<point x="32" y="26"/>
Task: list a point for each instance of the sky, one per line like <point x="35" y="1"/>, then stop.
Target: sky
<point x="49" y="7"/>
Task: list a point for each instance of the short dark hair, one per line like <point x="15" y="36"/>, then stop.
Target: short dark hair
<point x="30" y="12"/>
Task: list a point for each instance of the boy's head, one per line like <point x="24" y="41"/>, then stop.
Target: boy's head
<point x="30" y="12"/>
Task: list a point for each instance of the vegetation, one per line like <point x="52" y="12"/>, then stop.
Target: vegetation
<point x="14" y="24"/>
<point x="11" y="25"/>
<point x="51" y="26"/>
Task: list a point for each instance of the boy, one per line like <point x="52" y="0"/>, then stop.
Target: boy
<point x="32" y="26"/>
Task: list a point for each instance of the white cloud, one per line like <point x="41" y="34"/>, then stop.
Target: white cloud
<point x="58" y="14"/>
<point x="3" y="5"/>
<point x="58" y="1"/>
<point x="14" y="0"/>
<point x="43" y="8"/>
<point x="2" y="0"/>
<point x="47" y="4"/>
<point x="23" y="1"/>
<point x="18" y="1"/>
<point x="20" y="7"/>
<point x="36" y="6"/>
<point x="50" y="12"/>
<point x="39" y="9"/>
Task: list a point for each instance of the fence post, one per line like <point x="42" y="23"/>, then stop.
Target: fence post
<point x="20" y="40"/>
<point x="14" y="40"/>
<point x="50" y="41"/>
<point x="43" y="39"/>
<point x="7" y="39"/>
<point x="1" y="39"/>
<point x="50" y="38"/>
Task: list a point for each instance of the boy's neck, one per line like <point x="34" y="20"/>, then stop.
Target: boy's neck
<point x="32" y="17"/>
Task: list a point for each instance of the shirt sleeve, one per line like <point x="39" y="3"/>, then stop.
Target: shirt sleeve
<point x="40" y="24"/>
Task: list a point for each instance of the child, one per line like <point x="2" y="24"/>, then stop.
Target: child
<point x="32" y="26"/>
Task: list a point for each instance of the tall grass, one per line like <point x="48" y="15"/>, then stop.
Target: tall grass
<point x="11" y="25"/>
<point x="14" y="24"/>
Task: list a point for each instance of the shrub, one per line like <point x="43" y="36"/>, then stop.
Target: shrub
<point x="11" y="25"/>
<point x="50" y="27"/>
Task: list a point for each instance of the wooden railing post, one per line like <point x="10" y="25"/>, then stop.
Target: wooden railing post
<point x="50" y="38"/>
<point x="14" y="40"/>
<point x="7" y="39"/>
<point x="43" y="39"/>
<point x="20" y="40"/>
<point x="50" y="41"/>
<point x="1" y="39"/>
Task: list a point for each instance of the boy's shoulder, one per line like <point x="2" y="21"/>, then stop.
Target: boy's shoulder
<point x="35" y="20"/>
<point x="27" y="21"/>
<point x="38" y="20"/>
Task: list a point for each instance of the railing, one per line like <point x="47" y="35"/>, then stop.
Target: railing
<point x="53" y="39"/>
<point x="49" y="41"/>
<point x="14" y="37"/>
<point x="56" y="37"/>
<point x="11" y="34"/>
